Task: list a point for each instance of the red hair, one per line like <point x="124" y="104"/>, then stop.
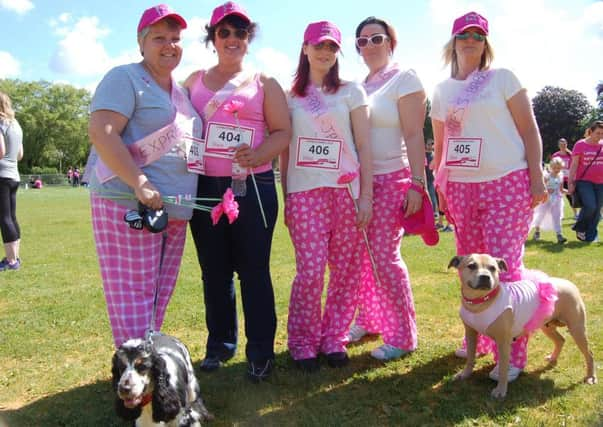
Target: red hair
<point x="330" y="84"/>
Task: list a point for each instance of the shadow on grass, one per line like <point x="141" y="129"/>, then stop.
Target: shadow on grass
<point x="411" y="391"/>
<point x="554" y="247"/>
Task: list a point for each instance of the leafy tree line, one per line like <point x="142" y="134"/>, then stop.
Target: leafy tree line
<point x="54" y="118"/>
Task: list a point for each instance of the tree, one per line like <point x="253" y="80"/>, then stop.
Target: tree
<point x="427" y="129"/>
<point x="560" y="113"/>
<point x="600" y="97"/>
<point x="54" y="118"/>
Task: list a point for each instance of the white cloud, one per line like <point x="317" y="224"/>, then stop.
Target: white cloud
<point x="19" y="6"/>
<point x="275" y="64"/>
<point x="80" y="51"/>
<point x="9" y="66"/>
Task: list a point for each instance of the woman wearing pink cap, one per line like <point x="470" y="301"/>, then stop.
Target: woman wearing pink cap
<point x="247" y="126"/>
<point x="325" y="172"/>
<point x="134" y="107"/>
<point x="397" y="103"/>
<point x="488" y="157"/>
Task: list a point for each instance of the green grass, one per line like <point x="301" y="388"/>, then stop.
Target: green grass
<point x="55" y="342"/>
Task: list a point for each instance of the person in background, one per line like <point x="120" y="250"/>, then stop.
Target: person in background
<point x="488" y="155"/>
<point x="324" y="214"/>
<point x="135" y="106"/>
<point x="566" y="156"/>
<point x="586" y="179"/>
<point x="11" y="151"/>
<point x="230" y="97"/>
<point x="548" y="215"/>
<point x="397" y="111"/>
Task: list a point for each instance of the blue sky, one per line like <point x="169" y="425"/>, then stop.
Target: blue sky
<point x="553" y="42"/>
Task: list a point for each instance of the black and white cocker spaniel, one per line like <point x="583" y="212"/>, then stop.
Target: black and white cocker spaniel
<point x="155" y="383"/>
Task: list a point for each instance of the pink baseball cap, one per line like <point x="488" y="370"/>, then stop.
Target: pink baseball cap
<point x="317" y="32"/>
<point x="469" y="20"/>
<point x="422" y="221"/>
<point x="156" y="13"/>
<point x="228" y="8"/>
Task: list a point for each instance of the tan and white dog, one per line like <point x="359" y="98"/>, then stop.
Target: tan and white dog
<point x="480" y="289"/>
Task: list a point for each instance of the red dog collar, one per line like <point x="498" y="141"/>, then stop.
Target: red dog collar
<point x="146" y="399"/>
<point x="482" y="299"/>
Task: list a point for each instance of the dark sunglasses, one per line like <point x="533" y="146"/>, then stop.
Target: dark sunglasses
<point x="476" y="36"/>
<point x="375" y="40"/>
<point x="332" y="47"/>
<point x="239" y="33"/>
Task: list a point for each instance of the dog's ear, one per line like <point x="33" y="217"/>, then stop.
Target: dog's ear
<point x="502" y="264"/>
<point x="455" y="261"/>
<point x="166" y="402"/>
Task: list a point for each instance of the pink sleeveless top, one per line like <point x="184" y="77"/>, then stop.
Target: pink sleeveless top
<point x="251" y="115"/>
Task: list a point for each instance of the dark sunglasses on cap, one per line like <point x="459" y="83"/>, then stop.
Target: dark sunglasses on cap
<point x="476" y="36"/>
<point x="239" y="33"/>
<point x="375" y="40"/>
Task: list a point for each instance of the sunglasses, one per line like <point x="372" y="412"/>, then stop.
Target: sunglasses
<point x="375" y="40"/>
<point x="239" y="33"/>
<point x="332" y="47"/>
<point x="476" y="36"/>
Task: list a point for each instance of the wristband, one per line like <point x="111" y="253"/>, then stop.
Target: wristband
<point x="419" y="179"/>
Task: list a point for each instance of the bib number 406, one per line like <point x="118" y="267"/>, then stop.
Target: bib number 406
<point x="319" y="150"/>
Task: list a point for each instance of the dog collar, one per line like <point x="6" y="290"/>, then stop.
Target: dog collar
<point x="146" y="399"/>
<point x="482" y="299"/>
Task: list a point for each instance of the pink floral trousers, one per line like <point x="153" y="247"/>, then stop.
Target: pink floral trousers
<point x="388" y="308"/>
<point x="323" y="231"/>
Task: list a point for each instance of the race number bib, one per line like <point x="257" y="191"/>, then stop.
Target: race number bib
<point x="464" y="153"/>
<point x="318" y="153"/>
<point x="194" y="161"/>
<point x="222" y="139"/>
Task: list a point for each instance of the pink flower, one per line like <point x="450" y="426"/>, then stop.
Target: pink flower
<point x="233" y="106"/>
<point x="346" y="178"/>
<point x="228" y="206"/>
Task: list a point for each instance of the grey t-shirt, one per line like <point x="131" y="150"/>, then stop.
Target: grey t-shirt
<point x="13" y="140"/>
<point x="131" y="91"/>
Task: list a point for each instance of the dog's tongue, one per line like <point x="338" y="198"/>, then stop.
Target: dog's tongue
<point x="132" y="403"/>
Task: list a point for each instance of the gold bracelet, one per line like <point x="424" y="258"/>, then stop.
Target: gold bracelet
<point x="419" y="179"/>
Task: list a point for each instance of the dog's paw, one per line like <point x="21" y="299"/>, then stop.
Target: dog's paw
<point x="499" y="392"/>
<point x="590" y="380"/>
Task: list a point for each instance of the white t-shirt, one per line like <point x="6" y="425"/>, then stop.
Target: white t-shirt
<point x="350" y="96"/>
<point x="488" y="118"/>
<point x="387" y="142"/>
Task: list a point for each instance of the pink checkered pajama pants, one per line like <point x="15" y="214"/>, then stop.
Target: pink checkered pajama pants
<point x="494" y="217"/>
<point x="388" y="309"/>
<point x="323" y="231"/>
<point x="129" y="264"/>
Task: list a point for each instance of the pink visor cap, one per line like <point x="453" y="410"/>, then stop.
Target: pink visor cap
<point x="422" y="221"/>
<point x="317" y="32"/>
<point x="228" y="8"/>
<point x="469" y="20"/>
<point x="156" y="13"/>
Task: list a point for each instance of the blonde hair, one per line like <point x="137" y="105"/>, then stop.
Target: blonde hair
<point x="556" y="161"/>
<point x="6" y="108"/>
<point x="449" y="56"/>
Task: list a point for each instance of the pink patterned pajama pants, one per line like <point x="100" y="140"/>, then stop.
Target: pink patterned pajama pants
<point x="494" y="217"/>
<point x="129" y="264"/>
<point x="388" y="309"/>
<point x="323" y="231"/>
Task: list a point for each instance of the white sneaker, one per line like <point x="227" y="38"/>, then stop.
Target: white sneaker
<point x="388" y="352"/>
<point x="512" y="375"/>
<point x="356" y="333"/>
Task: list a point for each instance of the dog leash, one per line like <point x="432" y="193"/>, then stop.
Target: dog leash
<point x="151" y="330"/>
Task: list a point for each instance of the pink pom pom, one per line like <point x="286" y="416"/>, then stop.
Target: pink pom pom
<point x="346" y="178"/>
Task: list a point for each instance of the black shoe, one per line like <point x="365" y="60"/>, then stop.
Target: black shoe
<point x="259" y="371"/>
<point x="308" y="365"/>
<point x="213" y="362"/>
<point x="338" y="359"/>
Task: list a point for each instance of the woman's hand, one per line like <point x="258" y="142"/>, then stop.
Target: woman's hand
<point x="413" y="202"/>
<point x="246" y="156"/>
<point x="538" y="191"/>
<point x="148" y="195"/>
<point x="365" y="212"/>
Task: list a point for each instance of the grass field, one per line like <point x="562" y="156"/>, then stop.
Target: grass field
<point x="55" y="342"/>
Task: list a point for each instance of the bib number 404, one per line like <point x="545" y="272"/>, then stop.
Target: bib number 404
<point x="229" y="136"/>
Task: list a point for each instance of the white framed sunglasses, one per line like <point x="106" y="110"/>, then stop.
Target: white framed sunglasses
<point x="375" y="40"/>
